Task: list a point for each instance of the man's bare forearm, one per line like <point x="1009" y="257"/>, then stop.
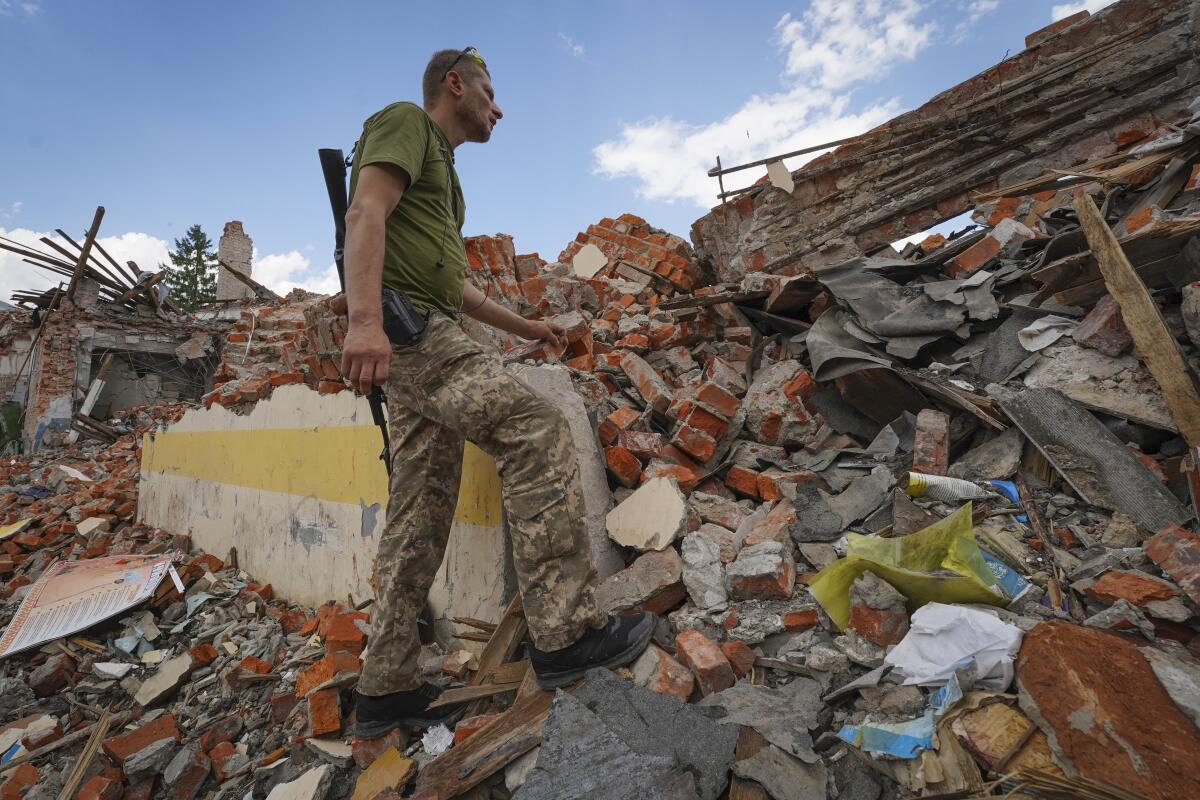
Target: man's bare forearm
<point x="364" y="268"/>
<point x="479" y="307"/>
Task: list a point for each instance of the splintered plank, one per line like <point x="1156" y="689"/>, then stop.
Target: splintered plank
<point x="500" y="648"/>
<point x="1099" y="467"/>
<point x="506" y="738"/>
<point x="1154" y="342"/>
<point x="749" y="742"/>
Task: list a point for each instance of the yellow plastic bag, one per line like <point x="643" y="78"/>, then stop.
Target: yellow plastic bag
<point x="941" y="563"/>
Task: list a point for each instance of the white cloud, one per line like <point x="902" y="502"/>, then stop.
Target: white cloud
<point x="12" y="211"/>
<point x="976" y="10"/>
<point x="9" y="8"/>
<point x="1067" y="9"/>
<point x="282" y="272"/>
<point x="575" y="47"/>
<point x="840" y="42"/>
<point x="835" y="44"/>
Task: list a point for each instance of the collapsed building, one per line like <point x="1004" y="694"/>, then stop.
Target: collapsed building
<point x="919" y="520"/>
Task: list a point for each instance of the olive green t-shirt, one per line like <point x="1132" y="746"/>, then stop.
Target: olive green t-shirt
<point x="424" y="255"/>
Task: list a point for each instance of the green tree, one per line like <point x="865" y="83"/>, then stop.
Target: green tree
<point x="192" y="278"/>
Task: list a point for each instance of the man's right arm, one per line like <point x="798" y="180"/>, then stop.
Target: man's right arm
<point x="367" y="350"/>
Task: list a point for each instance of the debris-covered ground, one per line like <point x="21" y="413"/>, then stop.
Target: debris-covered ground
<point x="919" y="523"/>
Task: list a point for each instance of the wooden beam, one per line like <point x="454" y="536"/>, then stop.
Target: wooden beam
<point x="88" y="241"/>
<point x="506" y="738"/>
<point x="1150" y="335"/>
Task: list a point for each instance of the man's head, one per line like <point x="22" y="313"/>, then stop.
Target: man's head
<point x="458" y="84"/>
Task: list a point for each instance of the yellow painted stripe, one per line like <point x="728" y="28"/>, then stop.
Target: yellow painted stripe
<point x="338" y="464"/>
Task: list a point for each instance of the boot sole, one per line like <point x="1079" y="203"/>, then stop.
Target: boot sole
<point x="373" y="730"/>
<point x="557" y="680"/>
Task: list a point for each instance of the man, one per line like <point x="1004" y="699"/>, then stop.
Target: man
<point x="403" y="231"/>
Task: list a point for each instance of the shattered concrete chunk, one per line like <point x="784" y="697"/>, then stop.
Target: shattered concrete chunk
<point x="312" y="785"/>
<point x="581" y="757"/>
<point x="816" y="520"/>
<point x="658" y="724"/>
<point x="703" y="573"/>
<point x="653" y="582"/>
<point x="783" y="775"/>
<point x="163" y="683"/>
<point x="784" y="715"/>
<point x="651" y="518"/>
<point x="762" y="572"/>
<point x="995" y="459"/>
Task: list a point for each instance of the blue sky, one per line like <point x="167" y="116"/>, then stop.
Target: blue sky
<point x="171" y="114"/>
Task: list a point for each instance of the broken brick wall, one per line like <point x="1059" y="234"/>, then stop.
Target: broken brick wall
<point x="1106" y="81"/>
<point x="16" y="340"/>
<point x="52" y="378"/>
<point x="629" y="240"/>
<point x="71" y="345"/>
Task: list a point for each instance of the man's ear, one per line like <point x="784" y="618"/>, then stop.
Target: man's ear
<point x="454" y="83"/>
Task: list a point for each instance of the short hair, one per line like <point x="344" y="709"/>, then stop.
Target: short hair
<point x="439" y="64"/>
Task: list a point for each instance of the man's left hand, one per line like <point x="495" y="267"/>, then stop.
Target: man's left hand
<point x="547" y="332"/>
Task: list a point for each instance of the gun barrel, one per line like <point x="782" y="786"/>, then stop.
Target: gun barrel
<point x="333" y="166"/>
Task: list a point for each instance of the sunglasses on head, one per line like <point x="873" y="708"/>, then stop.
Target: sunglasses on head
<point x="469" y="53"/>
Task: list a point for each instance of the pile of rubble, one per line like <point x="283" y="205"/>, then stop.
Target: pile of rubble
<point x="917" y="521"/>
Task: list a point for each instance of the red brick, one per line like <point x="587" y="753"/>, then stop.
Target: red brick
<point x="124" y="745"/>
<point x="740" y="656"/>
<point x="343" y="634"/>
<point x="973" y="257"/>
<point x="695" y="443"/>
<point x="471" y="725"/>
<point x="686" y="477"/>
<point x="775" y="581"/>
<point x="718" y="399"/>
<point x="931" y="444"/>
<point x="701" y="655"/>
<point x="706" y="422"/>
<point x="326" y="669"/>
<point x="365" y="751"/>
<point x="324" y="713"/>
<point x="1135" y="587"/>
<point x="1177" y="552"/>
<point x="623" y="466"/>
<point x="254" y="665"/>
<point x="1104" y="329"/>
<point x="742" y="481"/>
<point x="797" y="621"/>
<point x="616" y="422"/>
<point x="100" y="787"/>
<point x="187" y="785"/>
<point x="203" y="654"/>
<point x="644" y="445"/>
<point x="658" y="672"/>
<point x="649" y="383"/>
<point x="224" y="730"/>
<point x="220" y="756"/>
<point x="282" y="705"/>
<point x="286" y="378"/>
<point x="145" y="789"/>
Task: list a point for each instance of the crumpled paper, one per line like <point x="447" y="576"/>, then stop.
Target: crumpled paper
<point x="944" y="638"/>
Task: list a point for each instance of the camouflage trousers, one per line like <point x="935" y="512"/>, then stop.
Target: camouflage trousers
<point x="441" y="392"/>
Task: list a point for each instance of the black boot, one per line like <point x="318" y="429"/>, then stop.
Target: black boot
<point x="375" y="716"/>
<point x="616" y="644"/>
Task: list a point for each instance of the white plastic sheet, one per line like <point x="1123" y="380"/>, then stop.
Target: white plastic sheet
<point x="944" y="638"/>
